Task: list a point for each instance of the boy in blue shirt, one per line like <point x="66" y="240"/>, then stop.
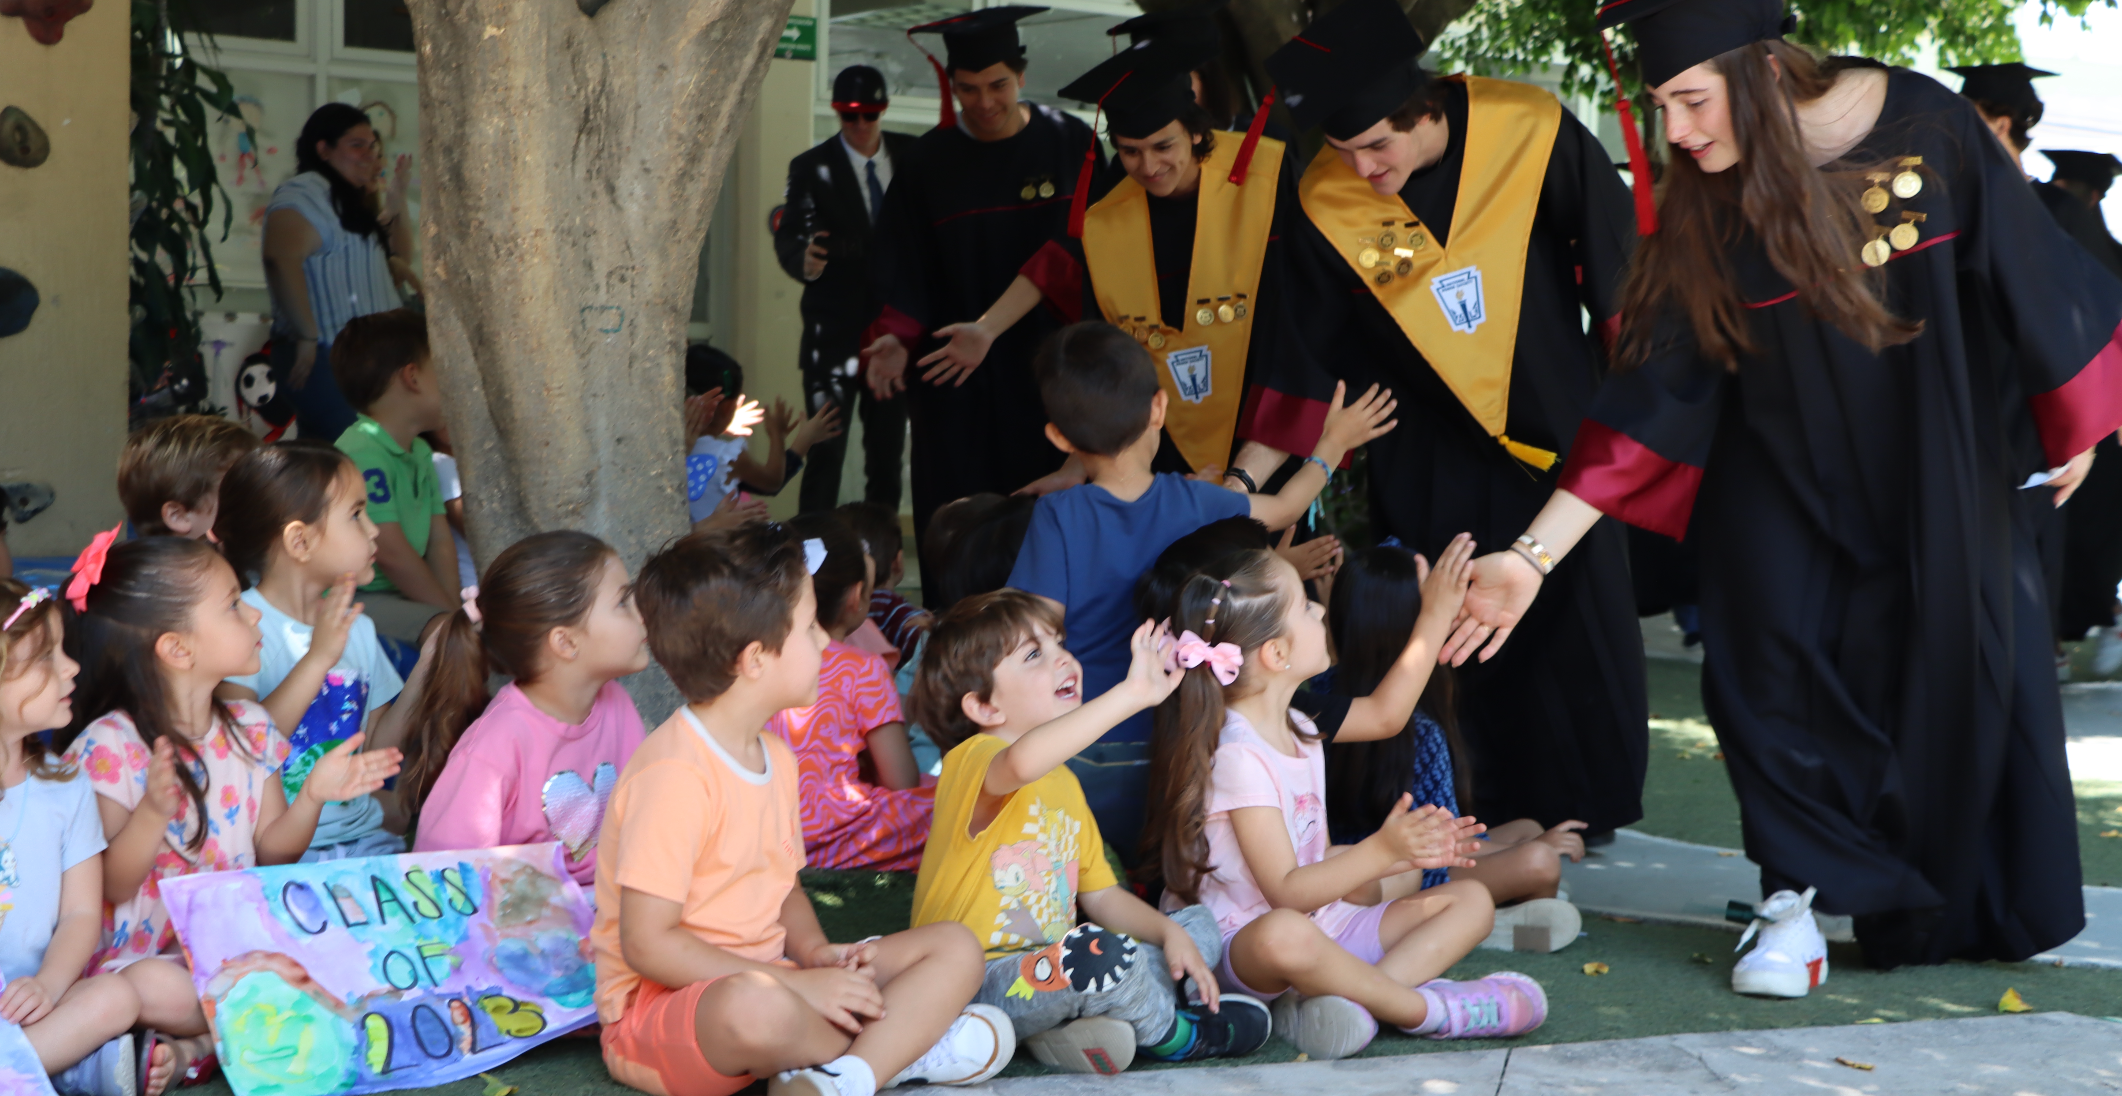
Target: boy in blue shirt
<point x="1088" y="544"/>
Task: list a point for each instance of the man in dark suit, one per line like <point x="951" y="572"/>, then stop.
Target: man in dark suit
<point x="835" y="194"/>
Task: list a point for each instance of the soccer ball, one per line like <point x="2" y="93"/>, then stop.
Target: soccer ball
<point x="254" y="386"/>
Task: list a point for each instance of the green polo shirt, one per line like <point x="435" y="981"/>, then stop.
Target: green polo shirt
<point x="402" y="486"/>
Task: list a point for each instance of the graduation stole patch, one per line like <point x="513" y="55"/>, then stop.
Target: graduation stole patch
<point x="1201" y="367"/>
<point x="1458" y="304"/>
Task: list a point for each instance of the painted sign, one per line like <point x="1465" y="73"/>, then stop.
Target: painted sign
<point x="387" y="972"/>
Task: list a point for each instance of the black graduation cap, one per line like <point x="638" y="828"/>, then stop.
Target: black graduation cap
<point x="859" y="87"/>
<point x="2009" y="85"/>
<point x="1142" y="89"/>
<point x="973" y="41"/>
<point x="1189" y="31"/>
<point x="1673" y="36"/>
<point x="1350" y="68"/>
<point x="2097" y="169"/>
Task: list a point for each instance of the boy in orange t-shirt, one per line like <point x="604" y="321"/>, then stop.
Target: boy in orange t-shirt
<point x="711" y="967"/>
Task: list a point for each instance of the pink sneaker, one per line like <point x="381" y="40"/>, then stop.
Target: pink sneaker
<point x="1500" y="1006"/>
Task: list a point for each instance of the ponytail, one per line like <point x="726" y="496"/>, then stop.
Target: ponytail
<point x="542" y="582"/>
<point x="1235" y="600"/>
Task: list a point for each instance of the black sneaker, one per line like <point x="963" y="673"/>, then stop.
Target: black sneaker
<point x="1241" y="1028"/>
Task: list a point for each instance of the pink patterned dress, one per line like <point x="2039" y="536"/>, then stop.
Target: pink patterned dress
<point x="235" y="770"/>
<point x="848" y="823"/>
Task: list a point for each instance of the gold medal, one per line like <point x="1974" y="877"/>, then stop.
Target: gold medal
<point x="1905" y="234"/>
<point x="1877" y="252"/>
<point x="1416" y="239"/>
<point x="1908" y="184"/>
<point x="1046" y="190"/>
<point x="1156" y="340"/>
<point x="1874" y="199"/>
<point x="1226" y="313"/>
<point x="1205" y="316"/>
<point x="1238" y="311"/>
<point x="1368" y="257"/>
<point x="1387" y="239"/>
<point x="1028" y="193"/>
<point x="1404" y="267"/>
<point x="1383" y="277"/>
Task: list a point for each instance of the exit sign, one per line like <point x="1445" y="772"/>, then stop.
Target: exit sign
<point x="799" y="39"/>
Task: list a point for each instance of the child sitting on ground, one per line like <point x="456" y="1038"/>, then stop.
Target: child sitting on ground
<point x="301" y="537"/>
<point x="848" y="821"/>
<point x="1238" y="823"/>
<point x="711" y="967"/>
<point x="901" y="621"/>
<point x="535" y="761"/>
<point x="53" y="873"/>
<point x="720" y="421"/>
<point x="1016" y="852"/>
<point x="1382" y="635"/>
<point x="169" y="474"/>
<point x="383" y="365"/>
<point x="1087" y="545"/>
<point x="185" y="783"/>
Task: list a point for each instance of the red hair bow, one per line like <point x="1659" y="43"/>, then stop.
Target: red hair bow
<point x="88" y="569"/>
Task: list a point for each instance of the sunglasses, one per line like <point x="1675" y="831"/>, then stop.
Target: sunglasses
<point x="865" y="115"/>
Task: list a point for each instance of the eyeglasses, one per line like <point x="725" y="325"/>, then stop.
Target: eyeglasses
<point x="865" y="115"/>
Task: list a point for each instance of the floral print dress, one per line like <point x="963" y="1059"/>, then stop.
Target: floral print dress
<point x="233" y="765"/>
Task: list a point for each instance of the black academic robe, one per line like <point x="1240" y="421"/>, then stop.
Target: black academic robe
<point x="1062" y="275"/>
<point x="1877" y="648"/>
<point x="2091" y="541"/>
<point x="956" y="227"/>
<point x="1556" y="727"/>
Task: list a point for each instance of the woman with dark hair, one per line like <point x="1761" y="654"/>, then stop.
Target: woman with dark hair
<point x="1857" y="356"/>
<point x="328" y="243"/>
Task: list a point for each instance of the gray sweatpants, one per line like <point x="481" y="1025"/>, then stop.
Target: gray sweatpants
<point x="1093" y="972"/>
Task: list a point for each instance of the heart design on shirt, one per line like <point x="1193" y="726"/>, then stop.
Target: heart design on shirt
<point x="574" y="810"/>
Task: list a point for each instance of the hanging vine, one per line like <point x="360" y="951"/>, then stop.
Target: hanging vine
<point x="175" y="190"/>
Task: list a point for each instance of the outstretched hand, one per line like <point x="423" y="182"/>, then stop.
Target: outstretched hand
<point x="1153" y="671"/>
<point x="884" y="365"/>
<point x="1504" y="586"/>
<point x="966" y="347"/>
<point x="1349" y="426"/>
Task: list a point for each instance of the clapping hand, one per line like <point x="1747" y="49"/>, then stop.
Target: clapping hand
<point x="822" y="424"/>
<point x="749" y="414"/>
<point x="165" y="796"/>
<point x="1429" y="837"/>
<point x="347" y="773"/>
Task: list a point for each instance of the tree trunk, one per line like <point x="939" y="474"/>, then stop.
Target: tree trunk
<point x="571" y="153"/>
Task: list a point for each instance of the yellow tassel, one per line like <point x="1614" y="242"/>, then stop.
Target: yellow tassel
<point x="1538" y="458"/>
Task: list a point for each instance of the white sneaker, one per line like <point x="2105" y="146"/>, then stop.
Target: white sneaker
<point x="975" y="1048"/>
<point x="1323" y="1028"/>
<point x="1094" y="1044"/>
<point x="1791" y="956"/>
<point x="2107" y="655"/>
<point x="111" y="1070"/>
<point x="1538" y="924"/>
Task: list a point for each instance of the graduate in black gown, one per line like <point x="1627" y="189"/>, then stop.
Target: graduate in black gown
<point x="982" y="193"/>
<point x="1851" y="340"/>
<point x="1506" y="222"/>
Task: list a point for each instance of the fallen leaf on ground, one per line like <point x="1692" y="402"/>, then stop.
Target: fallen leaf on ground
<point x="2111" y="833"/>
<point x="1873" y="1020"/>
<point x="1698" y="957"/>
<point x="2012" y="1002"/>
<point x="1854" y="1064"/>
<point x="1718" y="756"/>
<point x="1729" y="852"/>
<point x="1595" y="968"/>
<point x="496" y="1087"/>
<point x="1302" y="1058"/>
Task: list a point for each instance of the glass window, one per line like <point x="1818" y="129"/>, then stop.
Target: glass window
<point x="1059" y="46"/>
<point x="269" y="19"/>
<point x="379" y="24"/>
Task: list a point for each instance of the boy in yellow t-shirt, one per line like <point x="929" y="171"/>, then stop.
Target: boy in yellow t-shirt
<point x="1014" y="850"/>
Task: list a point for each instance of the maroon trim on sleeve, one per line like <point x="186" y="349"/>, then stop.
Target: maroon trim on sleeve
<point x="1625" y="479"/>
<point x="1609" y="329"/>
<point x="1281" y="421"/>
<point x="891" y="321"/>
<point x="1059" y="278"/>
<point x="2084" y="408"/>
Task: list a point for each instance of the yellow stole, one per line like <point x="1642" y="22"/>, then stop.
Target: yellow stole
<point x="1458" y="304"/>
<point x="1201" y="367"/>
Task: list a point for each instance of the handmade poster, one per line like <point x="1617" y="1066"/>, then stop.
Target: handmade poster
<point x="21" y="1074"/>
<point x="387" y="972"/>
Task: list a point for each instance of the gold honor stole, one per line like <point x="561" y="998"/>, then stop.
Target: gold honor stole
<point x="1202" y="365"/>
<point x="1458" y="304"/>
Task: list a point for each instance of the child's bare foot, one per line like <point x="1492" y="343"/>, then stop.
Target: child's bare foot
<point x="179" y="1062"/>
<point x="161" y="1067"/>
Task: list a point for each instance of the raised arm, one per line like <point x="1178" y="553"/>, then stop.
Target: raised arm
<point x="1049" y="745"/>
<point x="1505" y="582"/>
<point x="1347" y="428"/>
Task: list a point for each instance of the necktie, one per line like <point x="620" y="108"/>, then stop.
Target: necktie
<point x="876" y="193"/>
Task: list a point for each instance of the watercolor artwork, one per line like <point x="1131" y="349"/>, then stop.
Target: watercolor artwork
<point x="21" y="1074"/>
<point x="388" y="972"/>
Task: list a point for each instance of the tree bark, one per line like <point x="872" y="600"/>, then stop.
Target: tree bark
<point x="571" y="163"/>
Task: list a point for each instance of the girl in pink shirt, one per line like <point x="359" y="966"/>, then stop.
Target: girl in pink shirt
<point x="1342" y="937"/>
<point x="536" y="761"/>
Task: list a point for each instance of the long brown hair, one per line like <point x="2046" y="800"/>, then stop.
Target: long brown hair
<point x="23" y="642"/>
<point x="1808" y="222"/>
<point x="149" y="588"/>
<point x="542" y="582"/>
<point x="1234" y="600"/>
<point x="269" y="488"/>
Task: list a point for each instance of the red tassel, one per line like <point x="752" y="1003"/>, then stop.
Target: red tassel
<point x="1638" y="159"/>
<point x="1252" y="141"/>
<point x="1079" y="202"/>
<point x="950" y="108"/>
